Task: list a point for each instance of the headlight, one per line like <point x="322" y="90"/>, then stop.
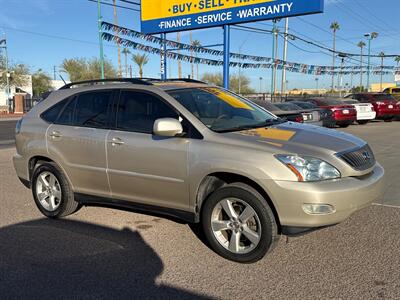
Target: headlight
<point x="309" y="168"/>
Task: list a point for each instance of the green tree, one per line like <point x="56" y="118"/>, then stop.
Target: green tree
<point x="397" y="60"/>
<point x="140" y="60"/>
<point x="79" y="69"/>
<point x="125" y="52"/>
<point x="335" y="26"/>
<point x="18" y="74"/>
<point x="217" y="79"/>
<point x="41" y="82"/>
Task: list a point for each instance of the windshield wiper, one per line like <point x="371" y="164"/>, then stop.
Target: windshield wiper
<point x="267" y="123"/>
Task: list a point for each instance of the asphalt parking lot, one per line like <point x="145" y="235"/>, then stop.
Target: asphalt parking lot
<point x="100" y="253"/>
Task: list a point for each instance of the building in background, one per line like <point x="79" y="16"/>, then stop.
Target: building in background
<point x="25" y="91"/>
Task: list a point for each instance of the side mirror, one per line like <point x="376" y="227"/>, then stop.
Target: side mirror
<point x="168" y="127"/>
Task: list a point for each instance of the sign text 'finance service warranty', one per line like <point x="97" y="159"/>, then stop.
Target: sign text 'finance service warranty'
<point x="161" y="16"/>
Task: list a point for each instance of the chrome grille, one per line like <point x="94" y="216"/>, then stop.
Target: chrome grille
<point x="360" y="159"/>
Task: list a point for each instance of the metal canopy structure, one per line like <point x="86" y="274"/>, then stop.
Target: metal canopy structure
<point x="180" y="15"/>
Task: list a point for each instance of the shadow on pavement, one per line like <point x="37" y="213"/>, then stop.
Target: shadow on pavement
<point x="49" y="259"/>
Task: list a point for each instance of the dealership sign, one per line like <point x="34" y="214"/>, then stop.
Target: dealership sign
<point x="161" y="16"/>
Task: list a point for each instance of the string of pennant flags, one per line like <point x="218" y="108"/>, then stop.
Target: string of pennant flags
<point x="257" y="61"/>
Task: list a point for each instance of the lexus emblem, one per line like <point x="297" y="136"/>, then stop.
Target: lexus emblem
<point x="366" y="155"/>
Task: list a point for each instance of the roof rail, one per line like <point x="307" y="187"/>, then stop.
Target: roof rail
<point x="186" y="80"/>
<point x="96" y="81"/>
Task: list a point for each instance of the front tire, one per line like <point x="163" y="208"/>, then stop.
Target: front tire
<point x="52" y="192"/>
<point x="238" y="223"/>
<point x="344" y="125"/>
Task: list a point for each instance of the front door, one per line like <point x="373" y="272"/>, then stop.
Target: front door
<point x="142" y="167"/>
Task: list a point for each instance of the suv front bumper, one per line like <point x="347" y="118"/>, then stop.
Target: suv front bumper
<point x="345" y="195"/>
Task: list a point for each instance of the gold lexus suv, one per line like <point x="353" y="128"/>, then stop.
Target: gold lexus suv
<point x="195" y="152"/>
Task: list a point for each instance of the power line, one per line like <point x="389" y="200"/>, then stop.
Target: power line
<point x="119" y="6"/>
<point x="130" y="2"/>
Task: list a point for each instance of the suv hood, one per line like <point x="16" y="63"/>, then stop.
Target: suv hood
<point x="299" y="138"/>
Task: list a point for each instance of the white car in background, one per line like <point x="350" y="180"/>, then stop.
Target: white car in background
<point x="365" y="111"/>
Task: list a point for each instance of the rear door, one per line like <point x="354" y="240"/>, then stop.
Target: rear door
<point x="142" y="167"/>
<point x="77" y="141"/>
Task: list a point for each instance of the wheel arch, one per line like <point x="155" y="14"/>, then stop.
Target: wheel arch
<point x="37" y="160"/>
<point x="214" y="181"/>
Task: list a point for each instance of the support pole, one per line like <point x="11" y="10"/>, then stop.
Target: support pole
<point x="273" y="59"/>
<point x="164" y="57"/>
<point x="285" y="46"/>
<point x="369" y="63"/>
<point x="226" y="55"/>
<point x="100" y="39"/>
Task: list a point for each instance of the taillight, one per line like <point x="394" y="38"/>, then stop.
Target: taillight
<point x="299" y="119"/>
<point x="379" y="102"/>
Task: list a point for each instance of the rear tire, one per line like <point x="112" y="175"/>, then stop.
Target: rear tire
<point x="52" y="192"/>
<point x="362" y="122"/>
<point x="388" y="119"/>
<point x="238" y="223"/>
<point x="344" y="125"/>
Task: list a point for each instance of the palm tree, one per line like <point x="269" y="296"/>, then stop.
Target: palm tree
<point x="125" y="52"/>
<point x="141" y="60"/>
<point x="335" y="26"/>
<point x="382" y="56"/>
<point x="361" y="45"/>
<point x="397" y="60"/>
<point x="196" y="43"/>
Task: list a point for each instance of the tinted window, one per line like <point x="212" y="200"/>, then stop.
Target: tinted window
<point x="52" y="113"/>
<point x="91" y="109"/>
<point x="138" y="111"/>
<point x="288" y="106"/>
<point x="305" y="105"/>
<point x="67" y="116"/>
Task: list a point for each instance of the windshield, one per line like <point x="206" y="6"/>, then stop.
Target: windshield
<point x="221" y="110"/>
<point x="288" y="106"/>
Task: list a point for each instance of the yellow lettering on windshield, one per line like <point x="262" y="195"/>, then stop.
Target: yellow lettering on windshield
<point x="231" y="100"/>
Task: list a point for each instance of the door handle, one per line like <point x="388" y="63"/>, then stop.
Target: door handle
<point x="116" y="141"/>
<point x="55" y="134"/>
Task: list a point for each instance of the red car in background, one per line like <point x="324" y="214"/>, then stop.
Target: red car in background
<point x="385" y="105"/>
<point x="343" y="114"/>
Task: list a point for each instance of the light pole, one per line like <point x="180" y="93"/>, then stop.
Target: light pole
<point x="274" y="38"/>
<point x="285" y="47"/>
<point x="370" y="37"/>
<point x="341" y="74"/>
<point x="316" y="85"/>
<point x="4" y="41"/>
<point x="100" y="38"/>
<point x="261" y="84"/>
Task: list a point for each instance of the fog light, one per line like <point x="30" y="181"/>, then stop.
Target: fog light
<point x="318" y="209"/>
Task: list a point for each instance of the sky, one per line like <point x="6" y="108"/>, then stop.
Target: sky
<point x="42" y="33"/>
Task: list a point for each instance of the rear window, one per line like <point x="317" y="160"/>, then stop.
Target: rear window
<point x="351" y="101"/>
<point x="330" y="102"/>
<point x="383" y="97"/>
<point x="305" y="105"/>
<point x="288" y="106"/>
<point x="51" y="114"/>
